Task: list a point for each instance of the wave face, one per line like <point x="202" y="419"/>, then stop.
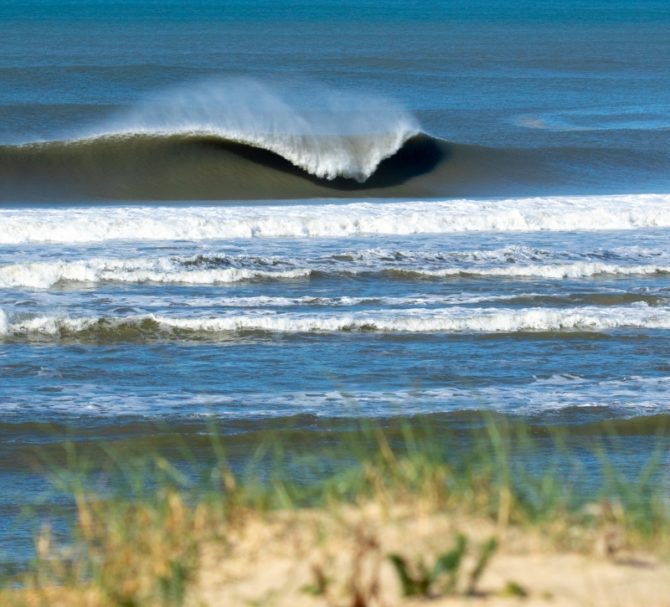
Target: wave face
<point x="242" y="139"/>
<point x="220" y="138"/>
<point x="551" y="213"/>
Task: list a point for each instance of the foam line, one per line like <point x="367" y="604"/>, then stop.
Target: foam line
<point x="318" y="220"/>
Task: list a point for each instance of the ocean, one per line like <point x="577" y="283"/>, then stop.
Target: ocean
<point x="296" y="214"/>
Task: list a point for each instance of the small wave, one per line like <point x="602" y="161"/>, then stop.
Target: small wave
<point x="581" y="269"/>
<point x="44" y="275"/>
<point x="508" y="254"/>
<point x="268" y="301"/>
<point x="562" y="213"/>
<point x="415" y="320"/>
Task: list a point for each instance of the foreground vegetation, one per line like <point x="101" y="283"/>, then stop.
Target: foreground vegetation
<point x="403" y="518"/>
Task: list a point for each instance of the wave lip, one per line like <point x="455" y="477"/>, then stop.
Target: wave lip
<point x="416" y="320"/>
<point x="318" y="220"/>
<point x="325" y="132"/>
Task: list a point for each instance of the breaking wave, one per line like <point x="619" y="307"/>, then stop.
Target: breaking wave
<point x="243" y="139"/>
<point x="155" y="223"/>
<point x="186" y="271"/>
<point x="224" y="134"/>
<point x="42" y="275"/>
<point x="414" y="320"/>
<point x="325" y="132"/>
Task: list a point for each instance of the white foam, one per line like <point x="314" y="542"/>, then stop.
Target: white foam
<point x="43" y="275"/>
<point x="266" y="301"/>
<point x="512" y="253"/>
<point x="580" y="269"/>
<point x="4" y="326"/>
<point x="415" y="320"/>
<point x="47" y="274"/>
<point x="316" y="219"/>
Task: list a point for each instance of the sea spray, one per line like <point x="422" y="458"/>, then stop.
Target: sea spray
<point x="324" y="131"/>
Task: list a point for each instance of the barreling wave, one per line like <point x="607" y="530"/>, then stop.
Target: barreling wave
<point x="637" y="316"/>
<point x="196" y="223"/>
<point x="225" y="138"/>
<point x="326" y="133"/>
<point x="201" y="164"/>
<point x="241" y="139"/>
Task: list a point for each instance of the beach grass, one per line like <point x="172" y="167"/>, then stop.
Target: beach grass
<point x="378" y="515"/>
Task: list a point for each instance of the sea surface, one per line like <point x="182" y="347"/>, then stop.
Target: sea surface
<point x="285" y="215"/>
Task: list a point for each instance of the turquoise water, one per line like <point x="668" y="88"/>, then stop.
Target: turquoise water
<point x="289" y="215"/>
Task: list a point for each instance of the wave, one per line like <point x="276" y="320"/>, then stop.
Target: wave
<point x="638" y="316"/>
<point x="44" y="275"/>
<point x="242" y="139"/>
<point x="599" y="119"/>
<point x="316" y="301"/>
<point x="580" y="269"/>
<point x="197" y="223"/>
<point x="325" y="132"/>
<point x="200" y="164"/>
<point x="141" y="301"/>
<point x="224" y="138"/>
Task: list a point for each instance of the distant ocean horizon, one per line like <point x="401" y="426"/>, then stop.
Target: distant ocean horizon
<point x="285" y="215"/>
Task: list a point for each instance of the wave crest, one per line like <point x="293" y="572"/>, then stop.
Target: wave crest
<point x="175" y="271"/>
<point x="325" y="132"/>
<point x="590" y="319"/>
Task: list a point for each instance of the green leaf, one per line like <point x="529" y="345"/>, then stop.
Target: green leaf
<point x="409" y="586"/>
<point x="485" y="556"/>
<point x="450" y="562"/>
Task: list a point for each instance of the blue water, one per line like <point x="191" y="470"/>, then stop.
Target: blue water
<point x="116" y="311"/>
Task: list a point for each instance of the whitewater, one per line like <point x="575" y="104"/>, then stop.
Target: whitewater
<point x="318" y="219"/>
<point x="417" y="320"/>
<point x="555" y="265"/>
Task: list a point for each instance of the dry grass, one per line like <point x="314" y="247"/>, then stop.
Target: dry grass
<point x="396" y="529"/>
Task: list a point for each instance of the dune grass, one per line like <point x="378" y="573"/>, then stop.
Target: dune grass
<point x="144" y="524"/>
